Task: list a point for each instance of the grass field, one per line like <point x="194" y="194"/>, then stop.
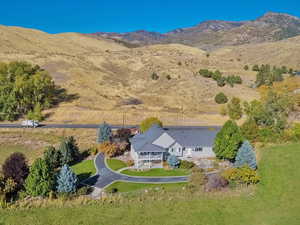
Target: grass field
<point x="276" y="201"/>
<point x="30" y="154"/>
<point x="127" y="186"/>
<point x="115" y="164"/>
<point x="84" y="169"/>
<point x="157" y="172"/>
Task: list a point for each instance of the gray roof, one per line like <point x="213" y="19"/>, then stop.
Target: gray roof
<point x="186" y="137"/>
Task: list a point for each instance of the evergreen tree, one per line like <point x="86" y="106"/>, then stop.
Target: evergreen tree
<point x="173" y="161"/>
<point x="104" y="133"/>
<point x="245" y="156"/>
<point x="66" y="180"/>
<point x="52" y="157"/>
<point x="40" y="179"/>
<point x="228" y="141"/>
<point x="69" y="151"/>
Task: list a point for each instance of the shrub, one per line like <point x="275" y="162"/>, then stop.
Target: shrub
<point x="221" y="98"/>
<point x="69" y="151"/>
<point x="295" y="131"/>
<point x="216" y="75"/>
<point x="154" y="76"/>
<point x="243" y="175"/>
<point x="7" y="186"/>
<point x="173" y="161"/>
<point x="16" y="168"/>
<point x="205" y="73"/>
<point x="109" y="149"/>
<point x="124" y="134"/>
<point x="250" y="129"/>
<point x="228" y="141"/>
<point x="223" y="110"/>
<point x="130" y="163"/>
<point x="168" y="77"/>
<point x="52" y="157"/>
<point x="40" y="179"/>
<point x="221" y="82"/>
<point x="246" y="67"/>
<point x="197" y="177"/>
<point x="245" y="156"/>
<point x="184" y="164"/>
<point x="149" y="122"/>
<point x="104" y="133"/>
<point x="234" y="108"/>
<point x="215" y="182"/>
<point x="66" y="180"/>
<point x="94" y="150"/>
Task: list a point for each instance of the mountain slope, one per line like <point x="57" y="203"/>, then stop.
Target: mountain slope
<point x="214" y="34"/>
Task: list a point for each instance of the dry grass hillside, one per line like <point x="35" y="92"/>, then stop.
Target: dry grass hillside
<point x="114" y="82"/>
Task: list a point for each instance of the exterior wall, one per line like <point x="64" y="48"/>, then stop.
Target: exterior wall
<point x="206" y="152"/>
<point x="176" y="150"/>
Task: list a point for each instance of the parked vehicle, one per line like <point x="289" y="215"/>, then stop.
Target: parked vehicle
<point x="30" y="123"/>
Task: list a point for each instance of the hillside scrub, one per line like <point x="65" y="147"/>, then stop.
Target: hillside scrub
<point x="220" y="79"/>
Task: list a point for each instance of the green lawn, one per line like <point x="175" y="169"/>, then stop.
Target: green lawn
<point x="115" y="164"/>
<point x="276" y="201"/>
<point x="127" y="186"/>
<point x="157" y="172"/>
<point x="84" y="169"/>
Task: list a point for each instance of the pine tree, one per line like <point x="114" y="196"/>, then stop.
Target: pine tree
<point x="228" y="141"/>
<point x="173" y="161"/>
<point x="104" y="133"/>
<point x="52" y="157"/>
<point x="40" y="180"/>
<point x="245" y="156"/>
<point x="69" y="151"/>
<point x="66" y="180"/>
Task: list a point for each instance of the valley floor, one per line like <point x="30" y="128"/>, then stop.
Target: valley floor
<point x="276" y="200"/>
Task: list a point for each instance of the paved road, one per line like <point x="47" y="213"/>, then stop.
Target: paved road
<point x="95" y="126"/>
<point x="106" y="176"/>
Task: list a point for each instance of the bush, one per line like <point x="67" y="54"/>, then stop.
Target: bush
<point x="221" y="98"/>
<point x="154" y="76"/>
<point x="228" y="141"/>
<point x="184" y="164"/>
<point x="223" y="110"/>
<point x="168" y="77"/>
<point x="221" y="82"/>
<point x="40" y="179"/>
<point x="94" y="150"/>
<point x="246" y="67"/>
<point x="173" y="161"/>
<point x="66" y="180"/>
<point x="245" y="156"/>
<point x="234" y="109"/>
<point x="295" y="131"/>
<point x="109" y="149"/>
<point x="149" y="122"/>
<point x="124" y="134"/>
<point x="130" y="163"/>
<point x="243" y="175"/>
<point x="197" y="177"/>
<point x="250" y="129"/>
<point x="16" y="168"/>
<point x="104" y="133"/>
<point x="215" y="182"/>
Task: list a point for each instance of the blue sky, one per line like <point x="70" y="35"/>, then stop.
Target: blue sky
<point x="55" y="16"/>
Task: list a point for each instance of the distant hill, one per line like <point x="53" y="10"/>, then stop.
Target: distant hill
<point x="213" y="34"/>
<point x="114" y="81"/>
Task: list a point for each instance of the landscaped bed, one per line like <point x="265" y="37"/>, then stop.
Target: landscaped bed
<point x="157" y="172"/>
<point x="115" y="164"/>
<point x="84" y="169"/>
<point x="120" y="186"/>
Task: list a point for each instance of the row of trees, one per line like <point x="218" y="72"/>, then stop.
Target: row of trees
<point x="24" y="90"/>
<point x="267" y="75"/>
<point x="219" y="78"/>
<point x="51" y="173"/>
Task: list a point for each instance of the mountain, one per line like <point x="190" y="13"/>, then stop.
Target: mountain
<point x="214" y="34"/>
<point x="114" y="82"/>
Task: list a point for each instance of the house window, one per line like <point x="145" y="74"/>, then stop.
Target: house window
<point x="198" y="149"/>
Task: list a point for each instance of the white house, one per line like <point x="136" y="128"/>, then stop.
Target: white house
<point x="149" y="149"/>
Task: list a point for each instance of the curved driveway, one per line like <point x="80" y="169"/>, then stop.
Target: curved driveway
<point x="106" y="176"/>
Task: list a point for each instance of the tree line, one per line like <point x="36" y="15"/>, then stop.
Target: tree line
<point x="220" y="79"/>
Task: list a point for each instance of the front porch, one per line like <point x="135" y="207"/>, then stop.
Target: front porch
<point x="149" y="160"/>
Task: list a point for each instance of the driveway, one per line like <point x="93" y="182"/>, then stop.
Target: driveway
<point x="106" y="176"/>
